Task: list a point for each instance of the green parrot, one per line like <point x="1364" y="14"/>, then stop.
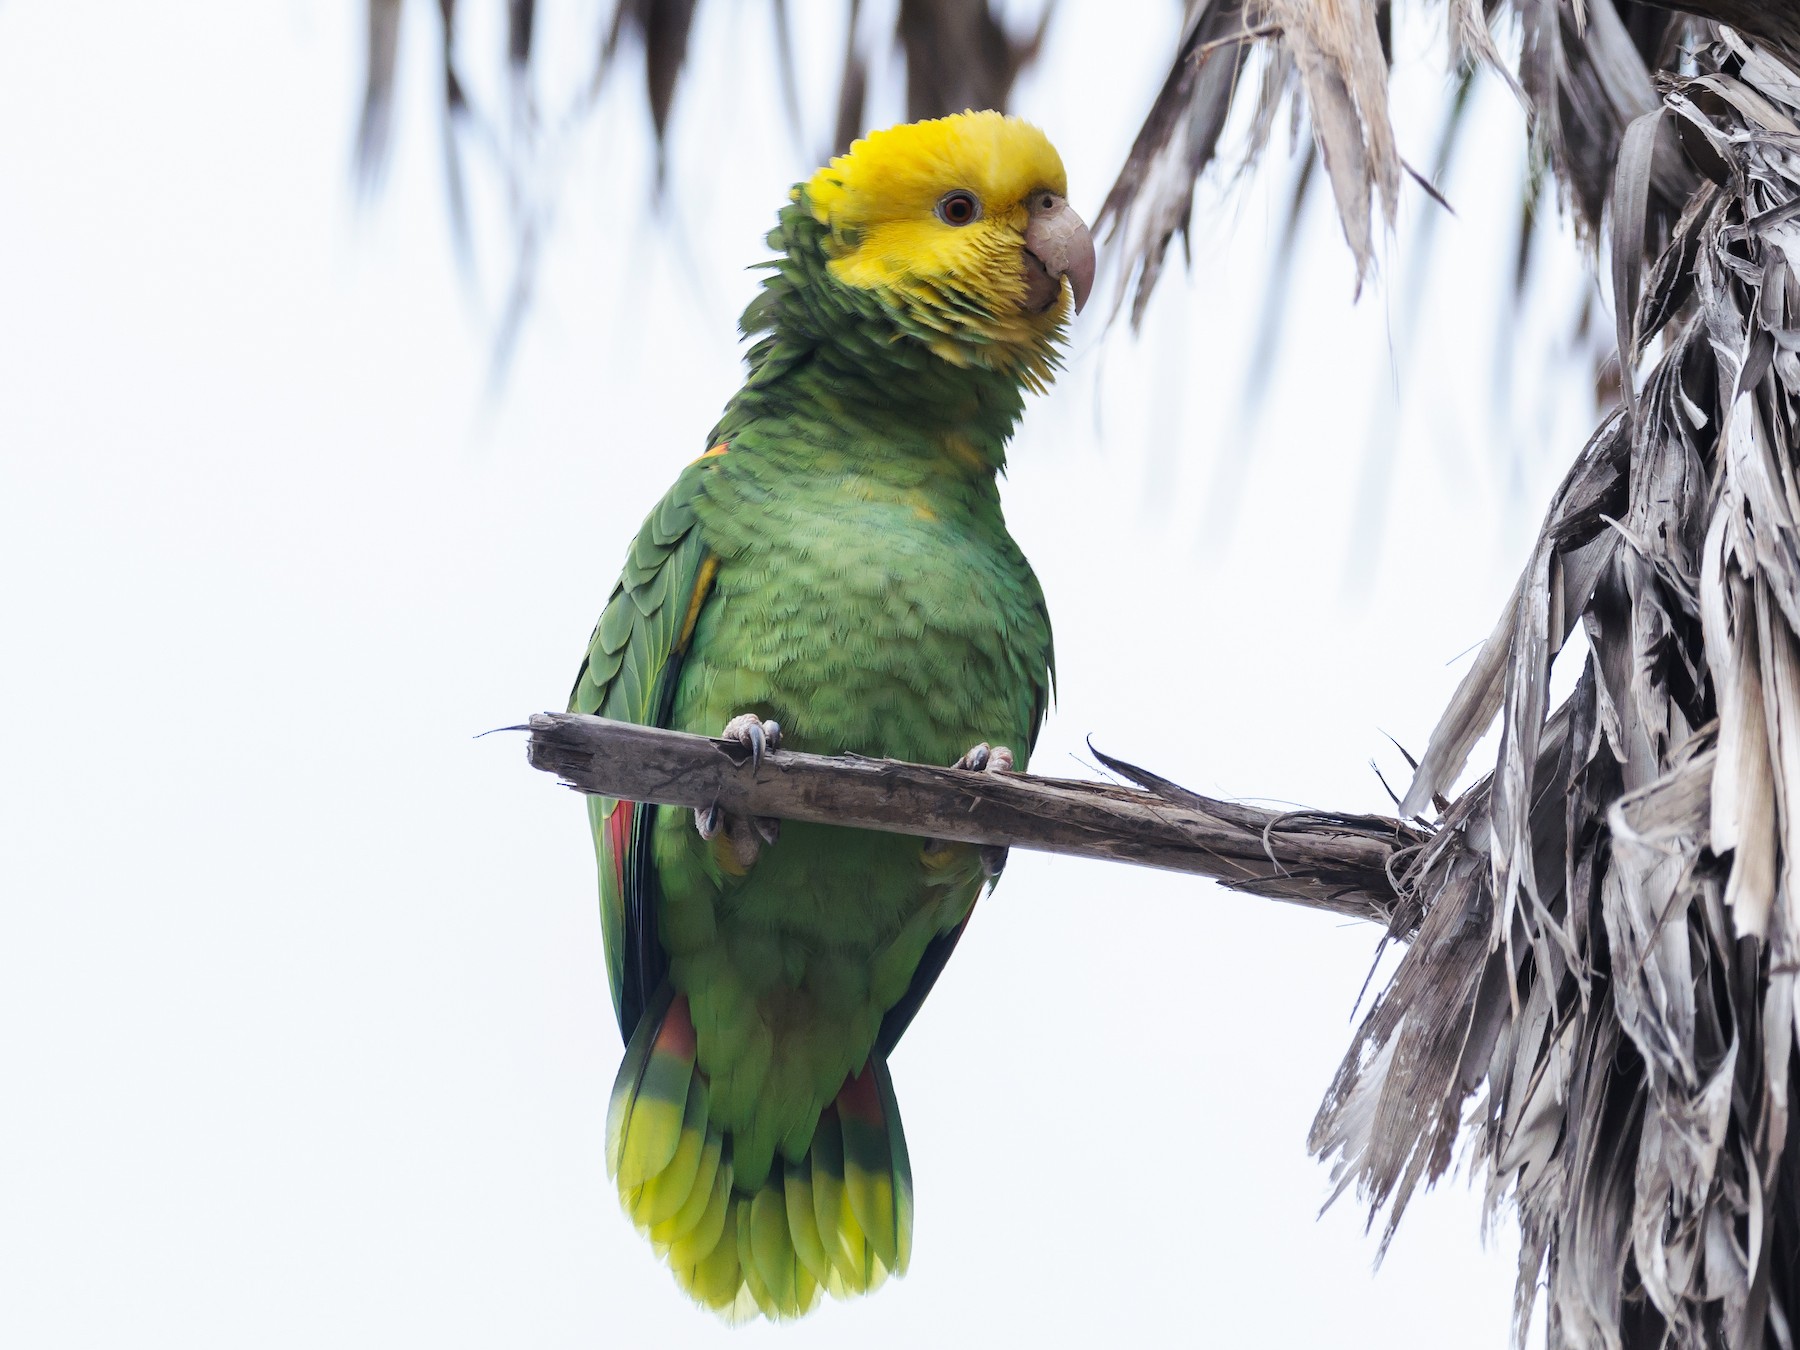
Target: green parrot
<point x="833" y="575"/>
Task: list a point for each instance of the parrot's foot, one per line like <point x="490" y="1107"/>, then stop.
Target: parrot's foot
<point x="744" y="837"/>
<point x="985" y="758"/>
<point x="754" y="734"/>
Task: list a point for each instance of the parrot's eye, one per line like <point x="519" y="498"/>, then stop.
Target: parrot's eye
<point x="958" y="208"/>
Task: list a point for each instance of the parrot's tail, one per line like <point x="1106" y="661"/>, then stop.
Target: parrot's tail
<point x="837" y="1219"/>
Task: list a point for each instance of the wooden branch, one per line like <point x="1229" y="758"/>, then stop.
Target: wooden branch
<point x="1339" y="863"/>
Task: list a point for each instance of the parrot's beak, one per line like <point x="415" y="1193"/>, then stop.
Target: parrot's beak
<point x="1057" y="245"/>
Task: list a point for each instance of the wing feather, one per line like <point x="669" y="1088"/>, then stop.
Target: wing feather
<point x="630" y="673"/>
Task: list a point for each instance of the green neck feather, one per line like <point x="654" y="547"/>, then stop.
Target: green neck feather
<point x="859" y="368"/>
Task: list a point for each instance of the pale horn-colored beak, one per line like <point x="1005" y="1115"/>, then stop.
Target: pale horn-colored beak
<point x="1058" y="242"/>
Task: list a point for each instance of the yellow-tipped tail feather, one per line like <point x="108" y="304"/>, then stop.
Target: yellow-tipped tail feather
<point x="837" y="1219"/>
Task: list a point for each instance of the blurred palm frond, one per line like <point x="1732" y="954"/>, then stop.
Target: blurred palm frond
<point x="958" y="54"/>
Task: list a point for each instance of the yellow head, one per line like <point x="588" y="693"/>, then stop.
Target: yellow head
<point x="961" y="224"/>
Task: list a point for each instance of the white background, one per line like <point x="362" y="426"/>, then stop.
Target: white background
<point x="304" y="1034"/>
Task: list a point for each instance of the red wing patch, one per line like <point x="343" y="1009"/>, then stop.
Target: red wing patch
<point x="860" y="1098"/>
<point x="676" y="1035"/>
<point x="618" y="837"/>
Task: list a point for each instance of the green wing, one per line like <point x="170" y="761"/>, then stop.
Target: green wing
<point x="630" y="672"/>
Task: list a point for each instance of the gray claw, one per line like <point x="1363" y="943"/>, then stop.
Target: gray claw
<point x="754" y="734"/>
<point x="985" y="758"/>
<point x="758" y="737"/>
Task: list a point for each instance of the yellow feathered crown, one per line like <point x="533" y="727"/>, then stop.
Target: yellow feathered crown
<point x="881" y="202"/>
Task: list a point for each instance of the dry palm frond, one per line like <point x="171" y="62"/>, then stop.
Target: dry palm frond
<point x="1584" y="70"/>
<point x="1602" y="987"/>
<point x="1603" y="990"/>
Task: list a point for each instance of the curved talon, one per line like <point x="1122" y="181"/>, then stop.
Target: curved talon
<point x="756" y="735"/>
<point x="985" y="758"/>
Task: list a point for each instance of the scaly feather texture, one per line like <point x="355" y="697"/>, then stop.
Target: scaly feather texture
<point x="836" y="562"/>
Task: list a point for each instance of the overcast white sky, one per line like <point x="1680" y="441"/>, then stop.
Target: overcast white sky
<point x="303" y="1022"/>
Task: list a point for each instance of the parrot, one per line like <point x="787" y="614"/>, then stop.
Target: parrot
<point x="832" y="575"/>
